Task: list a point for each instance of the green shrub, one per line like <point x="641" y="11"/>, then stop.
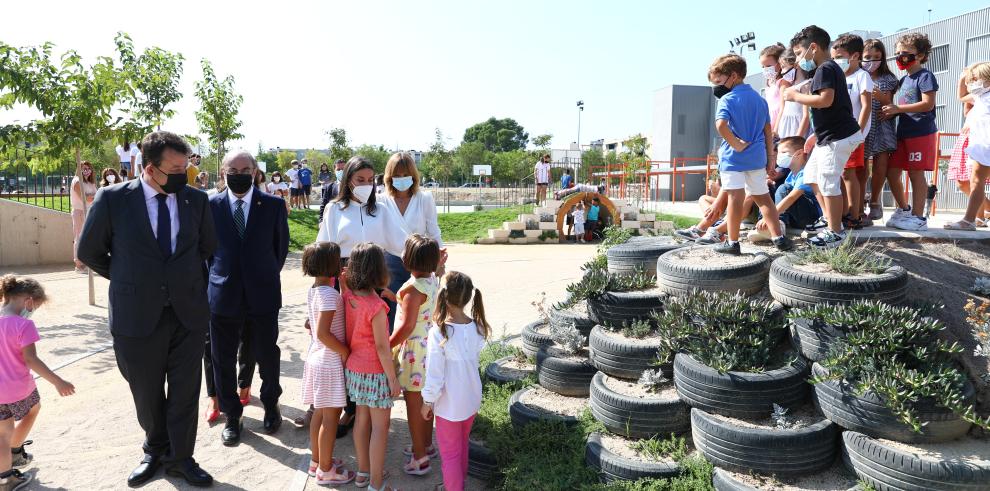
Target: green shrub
<point x="901" y="360"/>
<point x="548" y="234"/>
<point x="847" y="258"/>
<point x="673" y="448"/>
<point x="596" y="282"/>
<point x="639" y="329"/>
<point x="859" y="315"/>
<point x="516" y="234"/>
<point x="724" y="331"/>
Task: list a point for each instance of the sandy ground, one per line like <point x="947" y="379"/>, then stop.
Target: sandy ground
<point x="92" y="440"/>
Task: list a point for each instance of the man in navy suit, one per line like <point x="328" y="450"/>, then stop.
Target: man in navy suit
<point x="245" y="291"/>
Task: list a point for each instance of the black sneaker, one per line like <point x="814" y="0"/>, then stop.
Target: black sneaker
<point x="728" y="247"/>
<point x="19" y="457"/>
<point x="827" y="239"/>
<point x="783" y="243"/>
<point x="818" y="225"/>
<point x="13" y="480"/>
<point x="691" y="233"/>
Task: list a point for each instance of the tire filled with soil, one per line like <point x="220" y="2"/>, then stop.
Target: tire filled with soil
<point x="867" y="413"/>
<point x="563" y="373"/>
<point x="956" y="466"/>
<point x="797" y="285"/>
<point x="734" y="445"/>
<point x="617" y="308"/>
<point x="535" y="335"/>
<point x="622" y="356"/>
<point x="699" y="267"/>
<point x="576" y="315"/>
<point x="614" y="467"/>
<point x="639" y="255"/>
<point x="481" y="461"/>
<point x="740" y="394"/>
<point x="508" y="370"/>
<point x="532" y="404"/>
<point x="631" y="411"/>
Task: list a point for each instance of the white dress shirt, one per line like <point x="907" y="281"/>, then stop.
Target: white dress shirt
<point x="151" y="201"/>
<point x="246" y="206"/>
<point x="420" y="215"/>
<point x="353" y="225"/>
<point x="542" y="173"/>
<point x="453" y="384"/>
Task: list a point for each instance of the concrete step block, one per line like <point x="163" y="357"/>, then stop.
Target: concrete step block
<point x="533" y="233"/>
<point x="498" y="234"/>
<point x="665" y="225"/>
<point x="552" y="204"/>
<point x="632" y="224"/>
<point x="502" y="240"/>
<point x="548" y="225"/>
<point x="486" y="241"/>
<point x="647" y="217"/>
<point x="526" y="217"/>
<point x="514" y="226"/>
<point x="521" y="240"/>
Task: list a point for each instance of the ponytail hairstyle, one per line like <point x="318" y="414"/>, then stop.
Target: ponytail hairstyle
<point x="457" y="291"/>
<point x="12" y="286"/>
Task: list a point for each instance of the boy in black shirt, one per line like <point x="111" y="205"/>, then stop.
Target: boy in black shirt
<point x="836" y="129"/>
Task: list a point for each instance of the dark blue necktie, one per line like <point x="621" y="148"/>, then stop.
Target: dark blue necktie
<point x="164" y="227"/>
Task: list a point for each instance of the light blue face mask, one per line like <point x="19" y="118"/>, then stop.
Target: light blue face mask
<point x="843" y="63"/>
<point x="25" y="313"/>
<point x="402" y="183"/>
<point x="806" y="64"/>
<point x="339" y="174"/>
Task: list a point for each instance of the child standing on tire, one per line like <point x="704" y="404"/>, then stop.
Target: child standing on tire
<point x="746" y="154"/>
<point x="917" y="133"/>
<point x="19" y="400"/>
<point x="453" y="384"/>
<point x="416" y="299"/>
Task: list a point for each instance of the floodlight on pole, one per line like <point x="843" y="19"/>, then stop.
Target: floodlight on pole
<point x="580" y="106"/>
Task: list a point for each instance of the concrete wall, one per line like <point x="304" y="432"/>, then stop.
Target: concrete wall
<point x="31" y="235"/>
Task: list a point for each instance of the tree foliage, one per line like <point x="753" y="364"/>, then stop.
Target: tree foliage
<point x="219" y="105"/>
<point x="438" y="161"/>
<point x="497" y="135"/>
<point x="339" y="146"/>
<point x="154" y="77"/>
<point x="542" y="142"/>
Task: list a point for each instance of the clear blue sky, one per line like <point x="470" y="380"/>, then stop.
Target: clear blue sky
<point x="391" y="71"/>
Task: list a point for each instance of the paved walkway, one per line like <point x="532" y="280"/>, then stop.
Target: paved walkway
<point x="92" y="440"/>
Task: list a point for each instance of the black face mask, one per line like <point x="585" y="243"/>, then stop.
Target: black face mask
<point x="720" y="90"/>
<point x="173" y="182"/>
<point x="239" y="183"/>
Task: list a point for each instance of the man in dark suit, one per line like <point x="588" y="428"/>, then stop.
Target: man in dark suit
<point x="244" y="290"/>
<point x="151" y="237"/>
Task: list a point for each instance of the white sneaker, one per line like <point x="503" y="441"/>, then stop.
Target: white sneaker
<point x="912" y="223"/>
<point x="764" y="235"/>
<point x="897" y="217"/>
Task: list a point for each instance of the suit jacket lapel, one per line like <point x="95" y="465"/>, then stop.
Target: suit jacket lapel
<point x="139" y="210"/>
<point x="253" y="215"/>
<point x="185" y="220"/>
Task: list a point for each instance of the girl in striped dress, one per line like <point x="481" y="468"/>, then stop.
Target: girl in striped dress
<point x="324" y="385"/>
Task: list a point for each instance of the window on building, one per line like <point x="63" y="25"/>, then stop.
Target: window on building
<point x="940" y="116"/>
<point x="938" y="59"/>
<point x="681" y="124"/>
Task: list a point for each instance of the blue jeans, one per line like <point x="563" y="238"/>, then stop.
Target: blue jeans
<point x="398" y="274"/>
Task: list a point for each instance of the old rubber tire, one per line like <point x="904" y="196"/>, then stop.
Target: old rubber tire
<point x="616" y="308"/>
<point x="635" y="417"/>
<point x="521" y="415"/>
<point x="743" y="449"/>
<point x="624" y="357"/>
<point x="795" y="288"/>
<point x="723" y="481"/>
<point x="640" y="254"/>
<point x="739" y="394"/>
<point x="813" y="340"/>
<point x="676" y="277"/>
<point x="564" y="317"/>
<point x="867" y="414"/>
<point x="888" y="468"/>
<point x="565" y="376"/>
<point x="493" y="375"/>
<point x="481" y="462"/>
<point x="532" y="340"/>
<point x="612" y="467"/>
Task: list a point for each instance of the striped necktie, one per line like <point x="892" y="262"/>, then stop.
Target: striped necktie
<point x="239" y="217"/>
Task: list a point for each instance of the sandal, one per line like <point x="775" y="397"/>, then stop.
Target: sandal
<point x="385" y="487"/>
<point x="431" y="451"/>
<point x="415" y="466"/>
<point x="981" y="223"/>
<point x="960" y="225"/>
<point x="315" y="466"/>
<point x="363" y="479"/>
<point x="333" y="477"/>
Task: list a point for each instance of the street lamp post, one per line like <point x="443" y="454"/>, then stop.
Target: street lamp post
<point x="580" y="106"/>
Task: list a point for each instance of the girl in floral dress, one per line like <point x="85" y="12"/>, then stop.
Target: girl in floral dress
<point x="416" y="299"/>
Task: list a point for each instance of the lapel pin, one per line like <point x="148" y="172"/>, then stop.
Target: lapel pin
<point x="187" y="202"/>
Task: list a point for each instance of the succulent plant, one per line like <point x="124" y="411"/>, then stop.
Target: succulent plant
<point x="568" y="338"/>
<point x="516" y="234"/>
<point x="653" y="380"/>
<point x="848" y="258"/>
<point x="532" y="225"/>
<point x="981" y="286"/>
<point x="780" y="418"/>
<point x="547" y="217"/>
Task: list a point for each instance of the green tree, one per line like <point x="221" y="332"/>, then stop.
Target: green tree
<point x="542" y="142"/>
<point x="154" y="80"/>
<point x="465" y="157"/>
<point x="269" y="157"/>
<point x="511" y="166"/>
<point x="377" y="154"/>
<point x="497" y="135"/>
<point x="438" y="161"/>
<point x="219" y="105"/>
<point x="285" y="158"/>
<point x="317" y="157"/>
<point x="339" y="146"/>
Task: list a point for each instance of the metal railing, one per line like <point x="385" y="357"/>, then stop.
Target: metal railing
<point x="46" y="189"/>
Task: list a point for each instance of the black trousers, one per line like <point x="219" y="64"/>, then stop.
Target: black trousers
<point x="225" y="337"/>
<point x="171" y="355"/>
<point x="245" y="364"/>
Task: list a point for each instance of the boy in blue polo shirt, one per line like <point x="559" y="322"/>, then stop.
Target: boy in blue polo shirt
<point x="742" y="119"/>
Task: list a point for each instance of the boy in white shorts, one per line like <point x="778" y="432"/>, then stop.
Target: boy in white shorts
<point x="743" y="121"/>
<point x="836" y="130"/>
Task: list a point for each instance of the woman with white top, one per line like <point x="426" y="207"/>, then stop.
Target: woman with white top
<point x="417" y="209"/>
<point x="126" y="154"/>
<point x="354" y="217"/>
<point x="79" y="192"/>
<point x="452" y="390"/>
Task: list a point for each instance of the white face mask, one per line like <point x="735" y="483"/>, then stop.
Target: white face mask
<point x="770" y="73"/>
<point x="790" y="75"/>
<point x="362" y="193"/>
<point x="276" y="179"/>
<point x="784" y="160"/>
<point x="111" y="178"/>
<point x="976" y="87"/>
<point x="871" y="66"/>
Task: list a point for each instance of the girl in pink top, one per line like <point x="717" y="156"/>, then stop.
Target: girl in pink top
<point x="770" y="61"/>
<point x="370" y="372"/>
<point x="18" y="393"/>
